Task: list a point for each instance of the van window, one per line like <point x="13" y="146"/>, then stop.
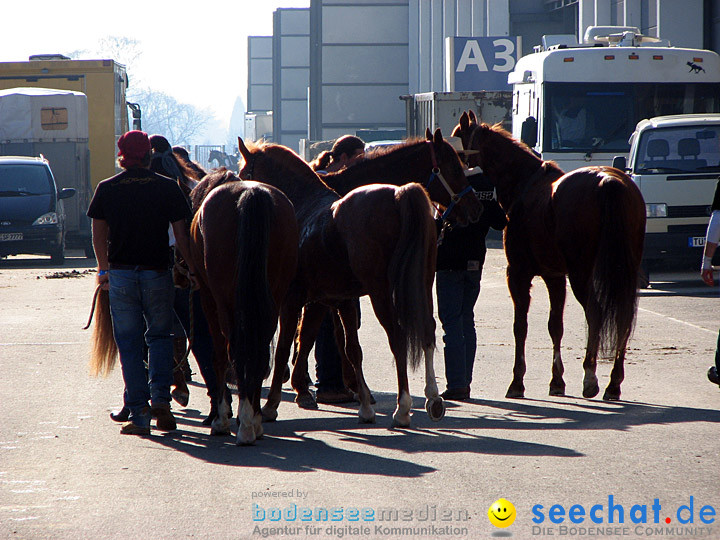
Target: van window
<point x="25" y="180"/>
<point x="679" y="149"/>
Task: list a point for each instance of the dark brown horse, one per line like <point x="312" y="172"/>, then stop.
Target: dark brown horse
<point x="431" y="162"/>
<point x="588" y="224"/>
<point x="244" y="244"/>
<point x="377" y="240"/>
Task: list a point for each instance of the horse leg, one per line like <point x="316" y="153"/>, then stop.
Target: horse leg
<point x="308" y="329"/>
<point x="382" y="305"/>
<point x="434" y="405"/>
<point x="289" y="314"/>
<point x="581" y="285"/>
<point x="612" y="392"/>
<point x="180" y="392"/>
<point x="556" y="291"/>
<point x="351" y="352"/>
<point x="519" y="285"/>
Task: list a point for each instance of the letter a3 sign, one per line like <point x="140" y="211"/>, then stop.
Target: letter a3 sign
<point x="483" y="63"/>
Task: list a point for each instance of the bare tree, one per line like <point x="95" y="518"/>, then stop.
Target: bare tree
<point x="179" y="122"/>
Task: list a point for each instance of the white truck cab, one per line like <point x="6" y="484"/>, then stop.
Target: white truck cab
<point x="577" y="103"/>
<point x="675" y="161"/>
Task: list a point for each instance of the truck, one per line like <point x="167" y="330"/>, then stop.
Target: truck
<point x="577" y="104"/>
<point x="675" y="161"/>
<point x="443" y="109"/>
<point x="53" y="123"/>
<point x="104" y="82"/>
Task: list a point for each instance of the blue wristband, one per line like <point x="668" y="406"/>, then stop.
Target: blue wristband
<point x="102" y="272"/>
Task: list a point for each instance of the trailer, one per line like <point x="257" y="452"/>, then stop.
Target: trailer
<point x="577" y="104"/>
<point x="53" y="123"/>
<point x="432" y="110"/>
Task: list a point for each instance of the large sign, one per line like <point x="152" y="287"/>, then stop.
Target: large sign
<point x="483" y="63"/>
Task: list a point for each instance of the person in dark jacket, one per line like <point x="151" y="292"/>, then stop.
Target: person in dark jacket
<point x="460" y="259"/>
<point x="712" y="237"/>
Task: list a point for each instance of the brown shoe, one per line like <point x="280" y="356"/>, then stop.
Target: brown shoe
<point x="165" y="419"/>
<point x="335" y="396"/>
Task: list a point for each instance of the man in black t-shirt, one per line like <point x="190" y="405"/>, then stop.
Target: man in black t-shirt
<point x="712" y="237"/>
<point x="131" y="213"/>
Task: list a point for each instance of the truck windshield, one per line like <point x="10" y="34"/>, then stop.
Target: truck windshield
<point x="679" y="149"/>
<point x="582" y="117"/>
<point x="25" y="180"/>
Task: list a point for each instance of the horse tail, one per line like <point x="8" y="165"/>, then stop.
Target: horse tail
<point x="103" y="349"/>
<point x="255" y="317"/>
<point x="409" y="270"/>
<point x="617" y="263"/>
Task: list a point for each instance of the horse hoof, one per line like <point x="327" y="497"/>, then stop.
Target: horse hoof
<point x="268" y="414"/>
<point x="219" y="432"/>
<point x="401" y="423"/>
<point x="611" y="396"/>
<point x="182" y="398"/>
<point x="245" y="436"/>
<point x="592" y="391"/>
<point x="369" y="419"/>
<point x="515" y="393"/>
<point x="557" y="391"/>
<point x="435" y="408"/>
<point x="306" y="401"/>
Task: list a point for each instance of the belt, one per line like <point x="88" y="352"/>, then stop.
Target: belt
<point x="138" y="267"/>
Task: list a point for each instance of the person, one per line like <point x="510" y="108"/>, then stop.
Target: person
<point x="130" y="215"/>
<point x="331" y="388"/>
<point x="712" y="237"/>
<point x="460" y="259"/>
<point x="164" y="162"/>
<point x="572" y="123"/>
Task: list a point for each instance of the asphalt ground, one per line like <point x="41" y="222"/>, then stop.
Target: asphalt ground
<point x="571" y="467"/>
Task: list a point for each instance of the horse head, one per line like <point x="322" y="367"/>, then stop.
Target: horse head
<point x="448" y="184"/>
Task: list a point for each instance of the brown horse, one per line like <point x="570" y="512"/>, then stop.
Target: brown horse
<point x="244" y="244"/>
<point x="431" y="162"/>
<point x="588" y="224"/>
<point x="377" y="240"/>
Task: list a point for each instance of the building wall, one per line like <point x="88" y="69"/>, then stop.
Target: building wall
<point x="359" y="66"/>
<point x="260" y="74"/>
<point x="291" y="75"/>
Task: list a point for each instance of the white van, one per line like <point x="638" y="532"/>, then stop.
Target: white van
<point x="675" y="161"/>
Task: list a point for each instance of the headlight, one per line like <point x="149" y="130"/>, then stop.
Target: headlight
<point x="656" y="210"/>
<point x="47" y="219"/>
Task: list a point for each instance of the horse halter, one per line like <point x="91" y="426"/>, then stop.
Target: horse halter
<point x="454" y="197"/>
<point x="249" y="175"/>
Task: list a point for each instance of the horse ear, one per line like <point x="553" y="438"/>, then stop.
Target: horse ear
<point x="243" y="149"/>
<point x="464" y="120"/>
<point x="437" y="137"/>
<point x="428" y="134"/>
<point x="473" y="118"/>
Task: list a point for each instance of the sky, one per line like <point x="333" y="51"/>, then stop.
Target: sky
<point x="195" y="52"/>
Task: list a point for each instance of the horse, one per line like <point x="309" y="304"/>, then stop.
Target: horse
<point x="245" y="246"/>
<point x="378" y="240"/>
<point x="588" y="225"/>
<point x="432" y="162"/>
<point x="223" y="160"/>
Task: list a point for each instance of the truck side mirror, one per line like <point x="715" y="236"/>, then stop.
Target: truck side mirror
<point x="528" y="131"/>
<point x="620" y="162"/>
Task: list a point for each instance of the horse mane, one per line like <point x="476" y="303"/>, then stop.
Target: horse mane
<point x="284" y="160"/>
<point x="380" y="163"/>
<point x="210" y="181"/>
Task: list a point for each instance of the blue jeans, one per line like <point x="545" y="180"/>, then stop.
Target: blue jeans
<point x="141" y="305"/>
<point x="457" y="292"/>
<point x="202" y="347"/>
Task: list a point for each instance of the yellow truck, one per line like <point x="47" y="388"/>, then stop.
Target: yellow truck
<point x="104" y="82"/>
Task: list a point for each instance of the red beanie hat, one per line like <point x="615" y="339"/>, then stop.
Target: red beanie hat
<point x="134" y="147"/>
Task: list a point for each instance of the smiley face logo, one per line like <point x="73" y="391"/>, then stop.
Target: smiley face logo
<point x="501" y="513"/>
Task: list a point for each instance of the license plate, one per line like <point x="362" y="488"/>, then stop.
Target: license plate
<point x="696" y="241"/>
<point x="4" y="237"/>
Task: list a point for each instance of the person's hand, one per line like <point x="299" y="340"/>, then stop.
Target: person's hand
<point x="103" y="280"/>
<point x="707" y="276"/>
